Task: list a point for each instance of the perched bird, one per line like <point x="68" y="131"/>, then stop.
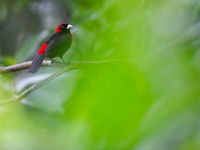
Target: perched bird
<point x="55" y="46"/>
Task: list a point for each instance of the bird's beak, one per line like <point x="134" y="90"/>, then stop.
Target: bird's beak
<point x="69" y="26"/>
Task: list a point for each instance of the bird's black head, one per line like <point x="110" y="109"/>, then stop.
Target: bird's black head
<point x="64" y="28"/>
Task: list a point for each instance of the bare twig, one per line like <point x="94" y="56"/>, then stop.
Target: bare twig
<point x="26" y="65"/>
<point x="47" y="63"/>
<point x="71" y="66"/>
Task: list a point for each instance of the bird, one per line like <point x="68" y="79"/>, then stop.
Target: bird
<point x="56" y="46"/>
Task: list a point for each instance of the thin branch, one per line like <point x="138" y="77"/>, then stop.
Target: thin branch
<point x="71" y="66"/>
<point x="26" y="65"/>
<point x="46" y="63"/>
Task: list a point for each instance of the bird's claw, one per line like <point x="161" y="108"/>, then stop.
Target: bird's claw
<point x="51" y="60"/>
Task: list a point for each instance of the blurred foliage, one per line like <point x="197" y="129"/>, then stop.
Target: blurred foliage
<point x="149" y="101"/>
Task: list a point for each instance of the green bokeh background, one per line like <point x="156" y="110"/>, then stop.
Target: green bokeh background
<point x="146" y="100"/>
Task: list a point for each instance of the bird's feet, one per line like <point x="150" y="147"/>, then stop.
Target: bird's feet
<point x="52" y="60"/>
<point x="64" y="62"/>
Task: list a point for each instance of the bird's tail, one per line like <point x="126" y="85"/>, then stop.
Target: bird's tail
<point x="37" y="61"/>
